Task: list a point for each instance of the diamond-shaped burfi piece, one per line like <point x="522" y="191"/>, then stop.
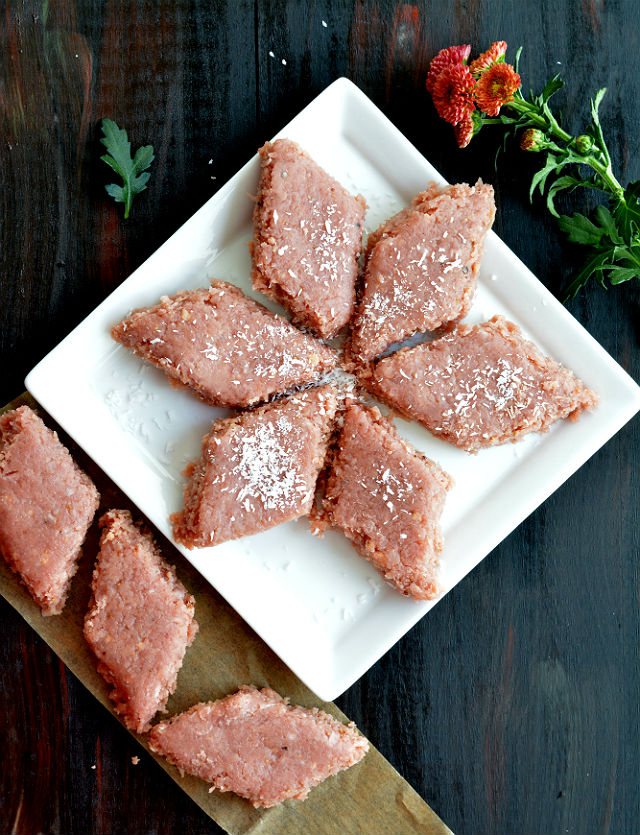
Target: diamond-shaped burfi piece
<point x="307" y="239"/>
<point x="229" y="349"/>
<point x="46" y="506"/>
<point x="421" y="269"/>
<point x="257" y="469"/>
<point x="257" y="745"/>
<point x="140" y="622"/>
<point x="480" y="385"/>
<point x="388" y="499"/>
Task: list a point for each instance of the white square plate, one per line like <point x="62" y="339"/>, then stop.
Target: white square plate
<point x="318" y="605"/>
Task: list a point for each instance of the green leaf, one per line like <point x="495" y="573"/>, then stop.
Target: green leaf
<point x="595" y="118"/>
<point x="115" y="191"/>
<point x="540" y="177"/>
<point x="606" y="222"/>
<point x="142" y="180"/>
<point x="143" y="158"/>
<point x="516" y="60"/>
<point x="111" y="162"/>
<point x="632" y="191"/>
<point x="632" y="206"/>
<point x="551" y="88"/>
<point x="119" y="159"/>
<point x="580" y="230"/>
<point x="559" y="185"/>
<point x="618" y="275"/>
<point x="626" y="212"/>
<point x="584" y="274"/>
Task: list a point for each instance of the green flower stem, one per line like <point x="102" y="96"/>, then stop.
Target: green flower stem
<point x="546" y="122"/>
<point x="607" y="176"/>
<point x="609" y="234"/>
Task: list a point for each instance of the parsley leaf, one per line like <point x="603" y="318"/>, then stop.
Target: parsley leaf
<point x="119" y="158"/>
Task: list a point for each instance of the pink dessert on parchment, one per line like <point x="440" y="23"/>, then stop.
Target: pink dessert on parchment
<point x="479" y="386"/>
<point x="257" y="745"/>
<point x="307" y="239"/>
<point x="226" y="347"/>
<point x="421" y="267"/>
<point x="257" y="469"/>
<point x="46" y="506"/>
<point x="140" y="622"/>
<point x="388" y="499"/>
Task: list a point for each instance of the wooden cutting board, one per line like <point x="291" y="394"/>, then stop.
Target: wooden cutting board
<point x="371" y="798"/>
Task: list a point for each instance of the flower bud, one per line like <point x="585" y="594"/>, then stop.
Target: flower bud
<point x="464" y="132"/>
<point x="584" y="144"/>
<point x="533" y="140"/>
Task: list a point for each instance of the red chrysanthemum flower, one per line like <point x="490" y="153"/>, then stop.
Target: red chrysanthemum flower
<point x="444" y="58"/>
<point x="464" y="132"/>
<point x="495" y="52"/>
<point x="452" y="94"/>
<point x="496" y="87"/>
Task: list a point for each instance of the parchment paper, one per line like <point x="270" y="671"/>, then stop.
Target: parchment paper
<point x="371" y="798"/>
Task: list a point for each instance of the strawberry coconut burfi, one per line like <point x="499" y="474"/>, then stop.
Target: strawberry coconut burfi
<point x="388" y="499"/>
<point x="46" y="506"/>
<point x="480" y="385"/>
<point x="140" y="622"/>
<point x="257" y="469"/>
<point x="229" y="349"/>
<point x="421" y="268"/>
<point x="307" y="239"/>
<point x="257" y="745"/>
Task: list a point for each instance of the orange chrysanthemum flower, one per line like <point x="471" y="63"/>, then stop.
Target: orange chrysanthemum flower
<point x="444" y="58"/>
<point x="464" y="132"/>
<point x="495" y="52"/>
<point x="496" y="87"/>
<point x="452" y="94"/>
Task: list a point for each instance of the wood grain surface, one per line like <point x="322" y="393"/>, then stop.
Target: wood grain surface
<point x="513" y="707"/>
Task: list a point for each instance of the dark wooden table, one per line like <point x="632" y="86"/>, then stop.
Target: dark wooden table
<point x="513" y="707"/>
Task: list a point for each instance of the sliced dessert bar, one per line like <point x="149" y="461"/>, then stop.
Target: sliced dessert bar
<point x="257" y="745"/>
<point x="229" y="349"/>
<point x="307" y="239"/>
<point x="480" y="385"/>
<point x="388" y="499"/>
<point x="140" y="622"/>
<point x="422" y="266"/>
<point x="257" y="469"/>
<point x="46" y="506"/>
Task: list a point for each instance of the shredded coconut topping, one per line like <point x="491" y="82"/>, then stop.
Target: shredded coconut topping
<point x="480" y="387"/>
<point x="382" y="306"/>
<point x="266" y="466"/>
<point x="210" y="351"/>
<point x="255" y="348"/>
<point x="394" y="484"/>
<point x="312" y="254"/>
<point x="480" y="390"/>
<point x="420" y="274"/>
